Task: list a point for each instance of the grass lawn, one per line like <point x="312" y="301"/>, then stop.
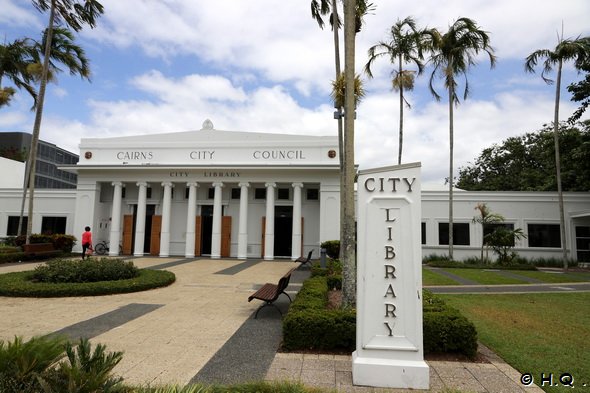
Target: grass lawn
<point x="431" y="278"/>
<point x="485" y="277"/>
<point x="535" y="333"/>
<point x="555" y="277"/>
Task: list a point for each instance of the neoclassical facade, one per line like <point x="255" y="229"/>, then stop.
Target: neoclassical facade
<point x="209" y="193"/>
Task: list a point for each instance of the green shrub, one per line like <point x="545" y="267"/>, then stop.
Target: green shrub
<point x="24" y="257"/>
<point x="332" y="248"/>
<point x="19" y="284"/>
<point x="4" y="249"/>
<point x="62" y="242"/>
<point x="319" y="329"/>
<point x="35" y="366"/>
<point x="445" y="329"/>
<point x="333" y="272"/>
<point x="310" y="325"/>
<point x="449" y="331"/>
<point x="24" y="363"/>
<point x="88" y="270"/>
<point x="86" y="371"/>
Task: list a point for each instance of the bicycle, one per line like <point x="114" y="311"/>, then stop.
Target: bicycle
<point x="102" y="247"/>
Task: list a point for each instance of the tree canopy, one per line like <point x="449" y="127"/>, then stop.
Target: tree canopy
<point x="526" y="162"/>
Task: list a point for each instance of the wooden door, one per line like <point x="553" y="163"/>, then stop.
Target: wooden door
<point x="225" y="236"/>
<point x="198" y="235"/>
<point x="155" y="235"/>
<point x="127" y="234"/>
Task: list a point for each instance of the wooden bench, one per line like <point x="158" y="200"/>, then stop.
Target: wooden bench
<point x="303" y="260"/>
<point x="269" y="293"/>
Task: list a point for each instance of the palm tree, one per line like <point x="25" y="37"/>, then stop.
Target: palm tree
<point x="357" y="10"/>
<point x="15" y="61"/>
<point x="577" y="50"/>
<point x="485" y="218"/>
<point x="75" y="14"/>
<point x="64" y="51"/>
<point x="452" y="54"/>
<point x="405" y="47"/>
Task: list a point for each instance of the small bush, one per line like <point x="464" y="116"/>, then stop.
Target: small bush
<point x="310" y="325"/>
<point x="62" y="242"/>
<point x="19" y="284"/>
<point x="332" y="248"/>
<point x="88" y="270"/>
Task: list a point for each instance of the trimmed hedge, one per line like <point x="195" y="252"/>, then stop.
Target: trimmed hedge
<point x="88" y="270"/>
<point x="19" y="284"/>
<point x="310" y="325"/>
<point x="27" y="257"/>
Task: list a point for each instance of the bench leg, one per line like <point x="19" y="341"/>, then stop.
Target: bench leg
<point x="267" y="304"/>
<point x="288" y="296"/>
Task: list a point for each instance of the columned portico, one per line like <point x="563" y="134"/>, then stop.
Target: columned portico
<point x="258" y="189"/>
<point x="165" y="231"/>
<point x="191" y="211"/>
<point x="140" y="219"/>
<point x="269" y="232"/>
<point x="115" y="235"/>
<point x="243" y="222"/>
<point x="296" y="233"/>
<point x="216" y="232"/>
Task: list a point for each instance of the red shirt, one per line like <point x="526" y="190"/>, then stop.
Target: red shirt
<point x="87" y="237"/>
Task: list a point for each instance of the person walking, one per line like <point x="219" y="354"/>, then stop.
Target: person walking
<point x="86" y="241"/>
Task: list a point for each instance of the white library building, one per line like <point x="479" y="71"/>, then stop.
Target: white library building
<point x="210" y="192"/>
<point x="245" y="195"/>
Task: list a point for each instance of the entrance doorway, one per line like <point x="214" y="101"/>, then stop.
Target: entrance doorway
<point x="150" y="210"/>
<point x="283" y="231"/>
<point x="206" y="228"/>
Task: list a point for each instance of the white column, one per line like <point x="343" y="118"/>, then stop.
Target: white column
<point x="296" y="239"/>
<point x="140" y="219"/>
<point x="165" y="231"/>
<point x="243" y="225"/>
<point x="189" y="251"/>
<point x="115" y="236"/>
<point x="216" y="230"/>
<point x="269" y="233"/>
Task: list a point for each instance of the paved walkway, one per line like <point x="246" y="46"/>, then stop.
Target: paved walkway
<point x="201" y="328"/>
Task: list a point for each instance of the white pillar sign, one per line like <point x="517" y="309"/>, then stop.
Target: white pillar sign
<point x="389" y="346"/>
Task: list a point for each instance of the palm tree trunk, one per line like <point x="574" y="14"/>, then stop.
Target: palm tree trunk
<point x="558" y="165"/>
<point x="341" y="158"/>
<point x="451" y="172"/>
<point x="349" y="253"/>
<point x="401" y="112"/>
<point x="37" y="125"/>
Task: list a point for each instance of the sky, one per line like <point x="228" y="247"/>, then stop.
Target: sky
<point x="265" y="66"/>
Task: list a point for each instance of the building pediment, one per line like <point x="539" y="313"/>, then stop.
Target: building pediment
<point x="210" y="147"/>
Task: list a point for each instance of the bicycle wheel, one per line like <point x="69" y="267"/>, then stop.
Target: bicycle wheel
<point x="100" y="248"/>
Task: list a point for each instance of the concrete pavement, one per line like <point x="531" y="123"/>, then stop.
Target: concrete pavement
<point x="201" y="327"/>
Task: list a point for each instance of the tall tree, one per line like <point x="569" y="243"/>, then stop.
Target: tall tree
<point x="577" y="50"/>
<point x="349" y="244"/>
<point x="452" y="54"/>
<point x="527" y="162"/>
<point x="405" y="46"/>
<point x="324" y="8"/>
<point x="580" y="93"/>
<point x="64" y="51"/>
<point x="357" y="11"/>
<point x="15" y="61"/>
<point x="75" y="14"/>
